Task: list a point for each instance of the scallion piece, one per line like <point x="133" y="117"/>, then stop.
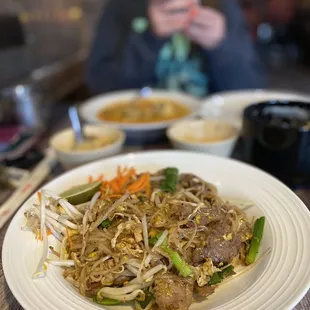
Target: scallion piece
<point x="229" y="271"/>
<point x="178" y="262"/>
<point x="171" y="179"/>
<point x="106" y="301"/>
<point x="218" y="277"/>
<point x="153" y="240"/>
<point x="106" y="223"/>
<point x="255" y="241"/>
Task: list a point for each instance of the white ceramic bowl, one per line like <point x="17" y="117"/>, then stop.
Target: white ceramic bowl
<point x="69" y="159"/>
<point x="230" y="105"/>
<point x="137" y="133"/>
<point x="188" y="135"/>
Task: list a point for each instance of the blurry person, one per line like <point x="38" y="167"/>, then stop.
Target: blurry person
<point x="173" y="44"/>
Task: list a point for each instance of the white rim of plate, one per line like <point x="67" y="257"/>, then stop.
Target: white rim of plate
<point x="289" y="221"/>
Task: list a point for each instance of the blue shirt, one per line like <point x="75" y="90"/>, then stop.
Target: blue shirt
<point x="123" y="57"/>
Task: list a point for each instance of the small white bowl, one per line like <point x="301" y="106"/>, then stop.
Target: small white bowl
<point x="61" y="141"/>
<point x="206" y="136"/>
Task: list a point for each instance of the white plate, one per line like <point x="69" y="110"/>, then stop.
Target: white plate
<point x="278" y="282"/>
<point x="229" y="106"/>
<point x="139" y="132"/>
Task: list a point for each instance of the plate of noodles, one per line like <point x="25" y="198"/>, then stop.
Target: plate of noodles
<point x="160" y="230"/>
<point x="142" y="118"/>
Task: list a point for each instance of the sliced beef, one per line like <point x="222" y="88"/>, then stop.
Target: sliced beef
<point x="173" y="292"/>
<point x="218" y="249"/>
<point x="183" y="210"/>
<point x="209" y="215"/>
<point x="188" y="180"/>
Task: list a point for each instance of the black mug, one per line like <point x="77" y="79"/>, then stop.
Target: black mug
<point x="276" y="138"/>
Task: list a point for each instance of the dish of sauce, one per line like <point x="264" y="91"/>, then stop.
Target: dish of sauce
<point x="208" y="132"/>
<point x="90" y="144"/>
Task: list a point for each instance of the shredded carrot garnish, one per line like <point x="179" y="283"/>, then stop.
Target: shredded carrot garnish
<point x="114" y="186"/>
<point x="39" y="196"/>
<point x="148" y="185"/>
<point x="138" y="184"/>
<point x="69" y="238"/>
<point x="126" y="181"/>
<point x="49" y="232"/>
<point x="90" y="179"/>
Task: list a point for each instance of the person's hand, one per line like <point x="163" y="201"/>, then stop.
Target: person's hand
<point x="168" y="17"/>
<point x="207" y="28"/>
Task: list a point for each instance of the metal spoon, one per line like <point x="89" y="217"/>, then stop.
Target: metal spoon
<point x="76" y="126"/>
<point x="143" y="93"/>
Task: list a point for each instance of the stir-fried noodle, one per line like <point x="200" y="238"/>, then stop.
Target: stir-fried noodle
<point x="153" y="238"/>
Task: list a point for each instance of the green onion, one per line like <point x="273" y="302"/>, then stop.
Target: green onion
<point x="153" y="240"/>
<point x="106" y="223"/>
<point x="148" y="298"/>
<point x="229" y="271"/>
<point x="106" y="301"/>
<point x="218" y="277"/>
<point x="171" y="180"/>
<point x="178" y="262"/>
<point x="255" y="241"/>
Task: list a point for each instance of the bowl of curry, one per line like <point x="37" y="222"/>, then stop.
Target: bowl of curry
<point x="143" y="119"/>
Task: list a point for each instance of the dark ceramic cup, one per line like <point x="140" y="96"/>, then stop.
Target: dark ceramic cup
<point x="276" y="138"/>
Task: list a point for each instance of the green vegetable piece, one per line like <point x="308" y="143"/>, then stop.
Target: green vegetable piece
<point x="229" y="271"/>
<point x="106" y="223"/>
<point x="255" y="241"/>
<point x="106" y="301"/>
<point x="171" y="180"/>
<point x="81" y="193"/>
<point x="153" y="240"/>
<point x="148" y="298"/>
<point x="218" y="277"/>
<point x="178" y="262"/>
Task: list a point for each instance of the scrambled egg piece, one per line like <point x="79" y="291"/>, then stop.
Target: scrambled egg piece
<point x="93" y="254"/>
<point x="205" y="271"/>
<point x="246" y="236"/>
<point x="197" y="219"/>
<point x="153" y="232"/>
<point x="227" y="237"/>
<point x="132" y="228"/>
<point x="129" y="246"/>
<point x="159" y="220"/>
